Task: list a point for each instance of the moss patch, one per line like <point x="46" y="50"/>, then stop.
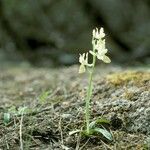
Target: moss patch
<point x="136" y="77"/>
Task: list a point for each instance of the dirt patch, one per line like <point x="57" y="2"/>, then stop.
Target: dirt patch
<point x="123" y="98"/>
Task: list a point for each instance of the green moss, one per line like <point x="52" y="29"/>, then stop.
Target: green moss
<point x="129" y="95"/>
<point x="121" y="78"/>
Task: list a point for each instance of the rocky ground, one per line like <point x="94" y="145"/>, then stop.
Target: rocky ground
<point x="39" y="107"/>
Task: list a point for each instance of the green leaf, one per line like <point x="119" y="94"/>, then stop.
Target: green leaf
<point x="98" y="121"/>
<point x="92" y="124"/>
<point x="43" y="97"/>
<point x="22" y="110"/>
<point x="102" y="121"/>
<point x="105" y="133"/>
<point x="12" y="110"/>
<point x="85" y="133"/>
<point x="6" y="118"/>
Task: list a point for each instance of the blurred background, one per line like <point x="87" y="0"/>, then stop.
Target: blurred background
<point x="54" y="32"/>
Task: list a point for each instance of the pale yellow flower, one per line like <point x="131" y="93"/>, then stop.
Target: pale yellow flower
<point x="104" y="58"/>
<point x="82" y="68"/>
<point x="83" y="59"/>
<point x="99" y="50"/>
<point x="98" y="42"/>
<point x="98" y="34"/>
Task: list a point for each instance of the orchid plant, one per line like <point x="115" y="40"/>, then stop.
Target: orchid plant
<point x="98" y="52"/>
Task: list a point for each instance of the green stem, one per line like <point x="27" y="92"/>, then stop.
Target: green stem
<point x="88" y="98"/>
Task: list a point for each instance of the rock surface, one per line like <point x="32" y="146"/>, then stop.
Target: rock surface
<point x="119" y="95"/>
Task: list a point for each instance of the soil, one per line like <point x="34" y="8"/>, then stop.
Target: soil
<point x="39" y="107"/>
